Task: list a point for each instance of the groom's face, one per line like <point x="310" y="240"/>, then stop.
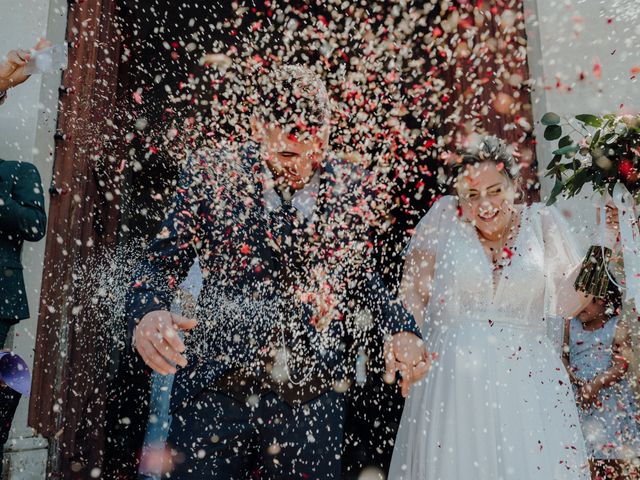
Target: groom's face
<point x="292" y="161"/>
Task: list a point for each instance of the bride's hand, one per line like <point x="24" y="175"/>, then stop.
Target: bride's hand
<point x="406" y="353"/>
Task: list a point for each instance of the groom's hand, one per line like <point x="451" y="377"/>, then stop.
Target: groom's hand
<point x="157" y="341"/>
<point x="406" y="353"/>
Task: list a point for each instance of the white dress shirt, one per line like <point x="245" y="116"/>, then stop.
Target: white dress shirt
<point x="303" y="200"/>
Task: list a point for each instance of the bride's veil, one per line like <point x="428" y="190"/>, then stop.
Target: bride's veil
<point x="562" y="263"/>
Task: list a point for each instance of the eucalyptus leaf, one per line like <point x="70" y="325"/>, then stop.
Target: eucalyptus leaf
<point x="554" y="171"/>
<point x="566" y="166"/>
<point x="597" y="178"/>
<point x="552" y="132"/>
<point x="606" y="137"/>
<point x="564" y="141"/>
<point x="567" y="149"/>
<point x="558" y="170"/>
<point x="611" y="139"/>
<point x="550" y="118"/>
<point x="589" y="119"/>
<point x="578" y="180"/>
<point x="557" y="190"/>
<point x="554" y="161"/>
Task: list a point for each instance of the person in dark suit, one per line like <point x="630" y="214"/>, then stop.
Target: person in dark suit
<point x="289" y="293"/>
<point x="22" y="218"/>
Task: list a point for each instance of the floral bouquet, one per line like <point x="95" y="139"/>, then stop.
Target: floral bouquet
<point x="604" y="152"/>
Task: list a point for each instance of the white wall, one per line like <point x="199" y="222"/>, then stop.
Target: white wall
<point x="27" y="125"/>
<point x="567" y="37"/>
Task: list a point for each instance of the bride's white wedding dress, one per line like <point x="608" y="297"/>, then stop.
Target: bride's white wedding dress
<point x="497" y="403"/>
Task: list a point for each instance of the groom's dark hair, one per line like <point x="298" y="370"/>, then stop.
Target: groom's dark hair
<point x="293" y="97"/>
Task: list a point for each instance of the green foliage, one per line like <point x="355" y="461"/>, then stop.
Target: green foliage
<point x="598" y="150"/>
<point x="550" y="118"/>
<point x="590" y="120"/>
<point x="552" y="132"/>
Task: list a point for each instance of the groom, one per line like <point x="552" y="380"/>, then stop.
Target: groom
<point x="281" y="234"/>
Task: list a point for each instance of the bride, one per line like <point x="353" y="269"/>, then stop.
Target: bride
<point x="492" y="280"/>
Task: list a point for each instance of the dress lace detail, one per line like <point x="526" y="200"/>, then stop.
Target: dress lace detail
<point x="497" y="404"/>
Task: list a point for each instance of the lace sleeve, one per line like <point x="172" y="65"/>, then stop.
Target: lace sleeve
<point x="420" y="257"/>
<point x="562" y="260"/>
<point x="562" y="265"/>
<point x="427" y="234"/>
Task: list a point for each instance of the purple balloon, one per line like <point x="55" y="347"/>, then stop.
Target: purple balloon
<point x="15" y="372"/>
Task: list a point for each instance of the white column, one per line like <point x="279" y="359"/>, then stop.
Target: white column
<point x="27" y="124"/>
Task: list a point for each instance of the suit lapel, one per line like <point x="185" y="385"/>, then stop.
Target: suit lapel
<point x="257" y="231"/>
<point x="318" y="234"/>
<point x="324" y="202"/>
<point x="325" y="208"/>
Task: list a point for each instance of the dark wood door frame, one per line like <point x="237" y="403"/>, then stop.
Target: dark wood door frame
<point x="83" y="220"/>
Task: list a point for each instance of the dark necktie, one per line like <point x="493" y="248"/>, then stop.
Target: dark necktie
<point x="282" y="221"/>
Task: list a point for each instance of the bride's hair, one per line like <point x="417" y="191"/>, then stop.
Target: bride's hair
<point x="488" y="149"/>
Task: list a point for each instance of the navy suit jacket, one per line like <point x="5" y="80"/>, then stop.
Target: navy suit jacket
<point x="22" y="218"/>
<point x="218" y="216"/>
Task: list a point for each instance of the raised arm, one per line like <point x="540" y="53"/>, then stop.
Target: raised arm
<point x="619" y="365"/>
<point x="562" y="266"/>
<point x="589" y="391"/>
<point x="12" y="67"/>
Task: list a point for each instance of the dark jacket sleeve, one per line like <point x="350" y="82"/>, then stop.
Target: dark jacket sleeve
<point x="169" y="255"/>
<point x="390" y="315"/>
<point x="22" y="209"/>
<point x="373" y="294"/>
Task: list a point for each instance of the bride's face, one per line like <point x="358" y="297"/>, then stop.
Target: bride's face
<point x="486" y="197"/>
